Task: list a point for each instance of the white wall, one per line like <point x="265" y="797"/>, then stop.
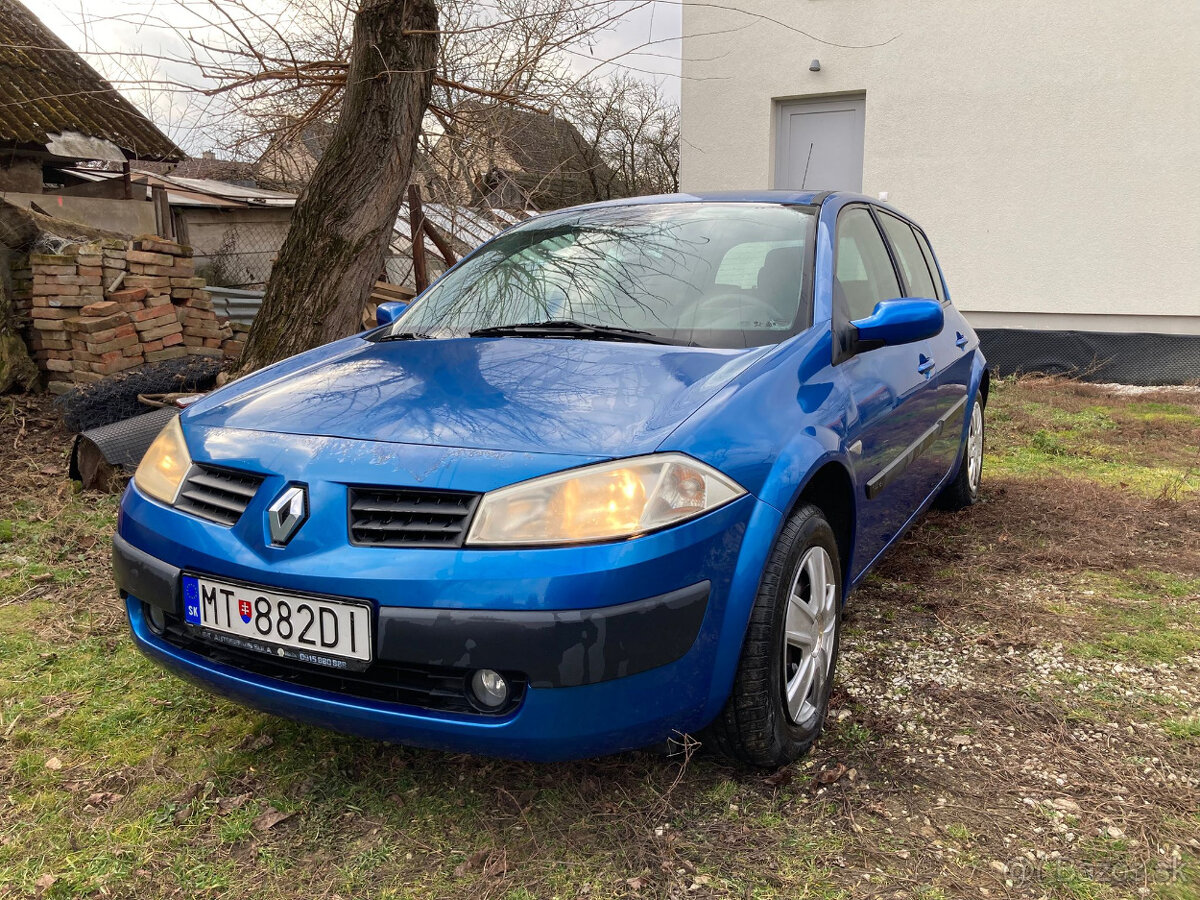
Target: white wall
<point x="1050" y="148"/>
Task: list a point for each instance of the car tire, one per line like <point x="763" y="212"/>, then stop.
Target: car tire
<point x="801" y="589"/>
<point x="964" y="489"/>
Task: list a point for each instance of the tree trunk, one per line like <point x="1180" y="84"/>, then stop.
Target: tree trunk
<point x="16" y="368"/>
<point x="343" y="221"/>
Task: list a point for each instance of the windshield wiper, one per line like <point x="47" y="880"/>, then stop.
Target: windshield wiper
<point x="566" y="328"/>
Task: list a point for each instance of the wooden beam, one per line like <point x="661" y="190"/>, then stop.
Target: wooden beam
<point x="416" y="222"/>
<point x="441" y="242"/>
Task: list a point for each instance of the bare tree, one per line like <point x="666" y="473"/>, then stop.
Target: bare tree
<point x="633" y="132"/>
<point x="343" y="220"/>
<point x="385" y="83"/>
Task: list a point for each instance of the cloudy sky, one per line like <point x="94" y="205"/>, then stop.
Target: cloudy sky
<point x="120" y="39"/>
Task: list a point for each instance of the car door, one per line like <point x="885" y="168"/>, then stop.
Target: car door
<point x="952" y="364"/>
<point x="893" y="403"/>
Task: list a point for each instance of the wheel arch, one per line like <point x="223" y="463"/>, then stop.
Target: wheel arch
<point x="830" y="488"/>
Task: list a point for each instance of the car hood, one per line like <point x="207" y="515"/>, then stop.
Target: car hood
<point x="591" y="398"/>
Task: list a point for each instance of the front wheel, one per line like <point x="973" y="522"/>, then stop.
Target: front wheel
<point x="964" y="489"/>
<point x="785" y="675"/>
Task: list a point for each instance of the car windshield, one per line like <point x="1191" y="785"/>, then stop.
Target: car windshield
<point x="711" y="275"/>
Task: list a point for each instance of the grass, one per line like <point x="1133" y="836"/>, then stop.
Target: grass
<point x="1144" y="446"/>
<point x="1055" y="628"/>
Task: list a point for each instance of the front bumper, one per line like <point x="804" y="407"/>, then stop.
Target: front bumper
<point x="550" y="648"/>
<point x="599" y="677"/>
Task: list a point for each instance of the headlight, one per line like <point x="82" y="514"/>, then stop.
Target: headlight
<point x="165" y="464"/>
<point x="603" y="502"/>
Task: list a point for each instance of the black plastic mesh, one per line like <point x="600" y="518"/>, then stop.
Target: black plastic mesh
<point x="116" y="398"/>
<point x="1146" y="359"/>
<point x="124" y="443"/>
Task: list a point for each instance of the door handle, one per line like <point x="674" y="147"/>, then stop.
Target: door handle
<point x="925" y="366"/>
<point x="961" y="340"/>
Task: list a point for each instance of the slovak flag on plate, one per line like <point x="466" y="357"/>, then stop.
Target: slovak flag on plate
<point x="244" y="610"/>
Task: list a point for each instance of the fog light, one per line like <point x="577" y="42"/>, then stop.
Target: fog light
<point x="156" y="619"/>
<point x="489" y="688"/>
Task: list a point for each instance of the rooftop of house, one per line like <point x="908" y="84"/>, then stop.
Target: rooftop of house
<point x="208" y="167"/>
<point x="52" y="100"/>
<point x="538" y="143"/>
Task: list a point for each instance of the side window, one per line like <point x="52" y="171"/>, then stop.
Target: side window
<point x="912" y="260"/>
<point x="933" y="266"/>
<point x="864" y="275"/>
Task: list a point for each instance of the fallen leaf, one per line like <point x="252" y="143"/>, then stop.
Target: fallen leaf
<point x="636" y="884"/>
<point x="471" y="863"/>
<point x="270" y="818"/>
<point x="54" y="764"/>
<point x="226" y="805"/>
<point x="780" y="777"/>
<point x="832" y="774"/>
<point x="45" y="882"/>
<point x="191" y="793"/>
<point x="254" y="742"/>
<point x="102" y="798"/>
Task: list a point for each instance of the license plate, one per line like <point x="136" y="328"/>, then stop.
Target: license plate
<point x="317" y="630"/>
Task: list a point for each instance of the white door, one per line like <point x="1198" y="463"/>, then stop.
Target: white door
<point x="819" y="144"/>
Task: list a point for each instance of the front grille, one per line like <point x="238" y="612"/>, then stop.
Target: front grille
<point x="428" y="687"/>
<point x="410" y="517"/>
<point x="219" y="495"/>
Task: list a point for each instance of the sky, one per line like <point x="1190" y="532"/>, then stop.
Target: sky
<point x="106" y="33"/>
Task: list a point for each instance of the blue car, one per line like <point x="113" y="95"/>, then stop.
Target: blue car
<point x="608" y="481"/>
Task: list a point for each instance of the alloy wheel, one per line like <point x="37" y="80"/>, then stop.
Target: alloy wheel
<point x="808" y="634"/>
<point x="975" y="448"/>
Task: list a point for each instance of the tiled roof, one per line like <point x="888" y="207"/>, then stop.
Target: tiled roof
<point x="46" y="89"/>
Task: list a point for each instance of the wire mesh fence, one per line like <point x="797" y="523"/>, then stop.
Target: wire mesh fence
<point x="242" y="254"/>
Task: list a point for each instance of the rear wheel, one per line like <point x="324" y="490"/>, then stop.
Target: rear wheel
<point x="964" y="489"/>
<point x="782" y="687"/>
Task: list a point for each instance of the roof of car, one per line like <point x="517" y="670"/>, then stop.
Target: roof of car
<point x="802" y="198"/>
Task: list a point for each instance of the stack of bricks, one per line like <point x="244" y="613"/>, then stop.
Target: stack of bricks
<point x="99" y="308"/>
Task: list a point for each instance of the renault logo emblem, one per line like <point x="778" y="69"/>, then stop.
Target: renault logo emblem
<point x="287" y="514"/>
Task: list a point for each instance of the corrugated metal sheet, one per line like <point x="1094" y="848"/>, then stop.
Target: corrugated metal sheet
<point x="469" y="226"/>
<point x="223" y="189"/>
<point x="46" y="88"/>
<point x="234" y="304"/>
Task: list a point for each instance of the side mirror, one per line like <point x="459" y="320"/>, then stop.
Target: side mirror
<point x="898" y="322"/>
<point x="389" y="311"/>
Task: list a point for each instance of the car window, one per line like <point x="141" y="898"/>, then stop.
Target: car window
<point x="714" y="275"/>
<point x="908" y="252"/>
<point x="927" y="252"/>
<point x="742" y="263"/>
<point x="864" y="275"/>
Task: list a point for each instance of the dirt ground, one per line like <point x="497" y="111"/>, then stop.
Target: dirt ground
<point x="1017" y="714"/>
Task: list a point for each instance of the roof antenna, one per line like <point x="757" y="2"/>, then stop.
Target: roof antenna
<point x="804" y="180"/>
